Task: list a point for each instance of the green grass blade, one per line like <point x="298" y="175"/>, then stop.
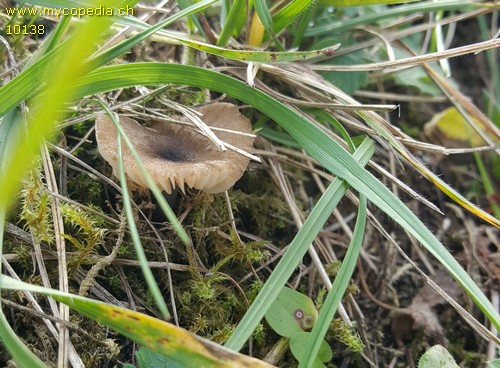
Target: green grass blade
<point x="141" y="256"/>
<point x="57" y="3"/>
<point x="243" y="55"/>
<point x="296" y="250"/>
<point x="225" y="8"/>
<point x="325" y="150"/>
<point x="303" y="25"/>
<point x="338" y="289"/>
<point x="51" y="42"/>
<point x="78" y="3"/>
<point x="26" y="83"/>
<point x="185" y="4"/>
<point x="20" y="352"/>
<point x="46" y="108"/>
<point x="325" y="116"/>
<point x="264" y="14"/>
<point x="234" y="19"/>
<point x="45" y="113"/>
<point x="30" y="80"/>
<point x="9" y="131"/>
<point x="260" y="56"/>
<point x="58" y="33"/>
<point x="287" y="15"/>
<point x="279" y="137"/>
<point x="129" y="2"/>
<point x="139" y="250"/>
<point x="126" y="45"/>
<point x="421" y="7"/>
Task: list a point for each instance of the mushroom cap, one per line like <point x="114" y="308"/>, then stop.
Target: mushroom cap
<point x="176" y="156"/>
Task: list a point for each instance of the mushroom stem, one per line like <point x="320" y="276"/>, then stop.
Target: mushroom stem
<point x="158" y="215"/>
<point x="231" y="217"/>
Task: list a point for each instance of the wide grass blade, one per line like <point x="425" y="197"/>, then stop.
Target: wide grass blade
<point x="30" y="80"/>
<point x="45" y="113"/>
<point x="157" y="335"/>
<point x="321" y="147"/>
<point x="20" y="352"/>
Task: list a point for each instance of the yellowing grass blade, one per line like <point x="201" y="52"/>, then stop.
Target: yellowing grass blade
<point x="157" y="335"/>
<point x="444" y="187"/>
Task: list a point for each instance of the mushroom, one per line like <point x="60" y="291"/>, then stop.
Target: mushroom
<point x="176" y="156"/>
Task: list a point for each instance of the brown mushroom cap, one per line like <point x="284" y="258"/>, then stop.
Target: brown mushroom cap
<point x="176" y="156"/>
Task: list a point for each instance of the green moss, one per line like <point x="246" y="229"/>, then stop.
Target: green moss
<point x="82" y="231"/>
<point x="35" y="207"/>
<point x="259" y="335"/>
<point x="347" y="336"/>
<point x="254" y="289"/>
<point x="238" y="252"/>
<point x="332" y="268"/>
<point x="209" y="306"/>
<point x="187" y="96"/>
<point x="85" y="189"/>
<point x="114" y="281"/>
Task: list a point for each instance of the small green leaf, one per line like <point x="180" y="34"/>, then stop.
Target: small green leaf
<point x="349" y="82"/>
<point x="437" y="357"/>
<point x="298" y="344"/>
<point x="417" y="78"/>
<point x="291" y="313"/>
<point x="149" y="359"/>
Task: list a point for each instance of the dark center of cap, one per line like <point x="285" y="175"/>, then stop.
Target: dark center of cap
<point x="173" y="153"/>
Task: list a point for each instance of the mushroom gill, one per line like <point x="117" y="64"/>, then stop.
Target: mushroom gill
<point x="176" y="156"/>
